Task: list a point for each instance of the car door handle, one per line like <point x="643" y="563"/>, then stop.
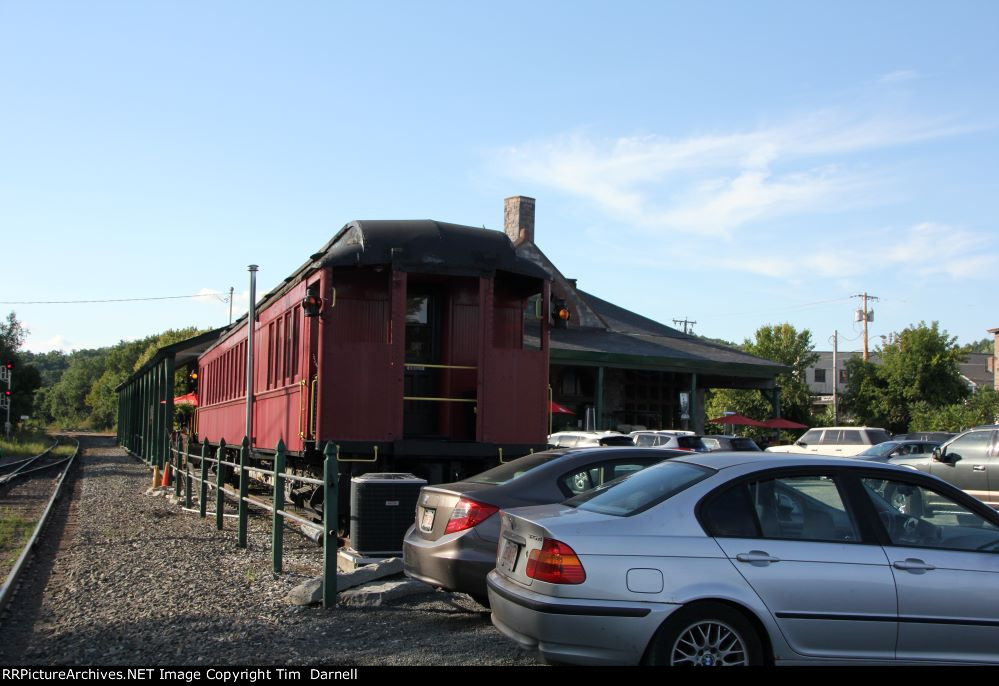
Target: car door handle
<point x="978" y="468"/>
<point x="756" y="557"/>
<point x="911" y="564"/>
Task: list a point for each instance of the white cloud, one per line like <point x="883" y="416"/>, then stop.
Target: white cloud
<point x="716" y="184"/>
<point x="923" y="251"/>
<point x="220" y="301"/>
<point x="54" y="343"/>
<point x="899" y="76"/>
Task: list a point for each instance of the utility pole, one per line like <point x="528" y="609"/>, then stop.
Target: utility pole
<point x="685" y="323"/>
<point x="231" y="289"/>
<point x="835" y="378"/>
<point x="865" y="315"/>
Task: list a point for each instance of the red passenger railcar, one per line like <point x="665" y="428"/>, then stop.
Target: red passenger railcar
<point x="428" y="353"/>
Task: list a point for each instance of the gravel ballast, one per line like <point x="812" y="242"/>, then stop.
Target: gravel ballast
<point x="132" y="579"/>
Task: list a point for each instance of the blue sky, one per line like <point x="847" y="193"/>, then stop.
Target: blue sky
<point x="733" y="163"/>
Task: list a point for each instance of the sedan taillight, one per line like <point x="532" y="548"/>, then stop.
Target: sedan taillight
<point x="468" y="513"/>
<point x="556" y="563"/>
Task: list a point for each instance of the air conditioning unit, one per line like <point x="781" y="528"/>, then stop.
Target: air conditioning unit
<point x="382" y="507"/>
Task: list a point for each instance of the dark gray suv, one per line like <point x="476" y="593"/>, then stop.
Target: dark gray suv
<point x="970" y="461"/>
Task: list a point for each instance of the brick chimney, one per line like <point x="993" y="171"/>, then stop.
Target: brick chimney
<point x="518" y="219"/>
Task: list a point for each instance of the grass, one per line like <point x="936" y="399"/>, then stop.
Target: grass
<point x="29" y="444"/>
<point x="14" y="533"/>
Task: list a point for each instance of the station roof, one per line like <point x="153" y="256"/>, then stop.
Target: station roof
<point x="182" y="352"/>
<point x="631" y="340"/>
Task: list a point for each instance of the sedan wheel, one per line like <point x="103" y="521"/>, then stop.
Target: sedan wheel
<point x="709" y="643"/>
<point x="706" y="634"/>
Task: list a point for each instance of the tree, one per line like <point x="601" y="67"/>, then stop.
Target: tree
<point x="786" y="345"/>
<point x="982" y="407"/>
<point x="65" y="402"/>
<point x="985" y="345"/>
<point x="26" y="378"/>
<point x="920" y="367"/>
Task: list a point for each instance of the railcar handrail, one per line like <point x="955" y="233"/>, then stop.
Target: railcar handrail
<point x="440" y="400"/>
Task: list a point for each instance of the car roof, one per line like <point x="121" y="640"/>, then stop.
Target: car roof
<point x="724" y="459"/>
<point x="827" y="428"/>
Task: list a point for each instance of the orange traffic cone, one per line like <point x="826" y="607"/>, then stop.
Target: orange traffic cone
<point x="166" y="476"/>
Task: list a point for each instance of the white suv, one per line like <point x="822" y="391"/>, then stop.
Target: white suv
<point x="588" y="439"/>
<point x="679" y="440"/>
<point x="836" y="441"/>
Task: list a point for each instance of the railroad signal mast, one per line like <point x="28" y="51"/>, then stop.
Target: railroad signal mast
<point x="6" y="372"/>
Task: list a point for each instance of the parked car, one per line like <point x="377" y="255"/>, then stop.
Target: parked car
<point x="934" y="436"/>
<point x="970" y="461"/>
<point x="834" y="441"/>
<point x="677" y="440"/>
<point x="452" y="543"/>
<point x="882" y="452"/>
<point x="583" y="439"/>
<point x="737" y="443"/>
<point x="733" y="559"/>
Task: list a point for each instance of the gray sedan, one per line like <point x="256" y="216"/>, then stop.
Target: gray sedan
<point x="735" y="559"/>
<point x="452" y="543"/>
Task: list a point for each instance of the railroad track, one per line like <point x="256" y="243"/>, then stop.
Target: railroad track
<point x="29" y="489"/>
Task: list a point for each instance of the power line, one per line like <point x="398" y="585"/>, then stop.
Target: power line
<point x="111" y="300"/>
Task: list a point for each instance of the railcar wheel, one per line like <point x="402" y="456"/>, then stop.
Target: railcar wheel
<point x="706" y="635"/>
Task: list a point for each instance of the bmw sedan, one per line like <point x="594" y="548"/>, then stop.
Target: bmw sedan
<point x="737" y="559"/>
<point x="452" y="543"/>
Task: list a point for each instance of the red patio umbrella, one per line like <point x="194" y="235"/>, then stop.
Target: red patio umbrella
<point x="188" y="399"/>
<point x="781" y="423"/>
<point x="555" y="408"/>
<point x="739" y="419"/>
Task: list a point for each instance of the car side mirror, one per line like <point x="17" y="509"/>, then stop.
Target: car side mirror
<point x="801" y="444"/>
<point x="939" y="455"/>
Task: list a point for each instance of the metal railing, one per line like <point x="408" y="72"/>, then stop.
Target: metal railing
<point x="181" y="465"/>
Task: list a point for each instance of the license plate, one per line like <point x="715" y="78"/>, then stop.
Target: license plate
<point x="508" y="558"/>
<point x="427" y="522"/>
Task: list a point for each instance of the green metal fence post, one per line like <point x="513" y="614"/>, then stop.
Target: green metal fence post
<point x="331" y="485"/>
<point x="203" y="492"/>
<point x="277" y="523"/>
<point x="187" y="474"/>
<point x="219" y="496"/>
<point x="176" y="457"/>
<point x="168" y="385"/>
<point x="155" y="441"/>
<point x="244" y="483"/>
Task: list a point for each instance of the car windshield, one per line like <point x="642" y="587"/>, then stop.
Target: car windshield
<point x="881" y="449"/>
<point x="691" y="443"/>
<point x="636" y="493"/>
<point x="506" y="473"/>
<point x="616" y="440"/>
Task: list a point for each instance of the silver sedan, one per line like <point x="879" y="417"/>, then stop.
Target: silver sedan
<point x="724" y="559"/>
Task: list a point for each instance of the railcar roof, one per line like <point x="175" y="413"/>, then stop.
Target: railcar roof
<point x="411" y="245"/>
<point x="426" y="245"/>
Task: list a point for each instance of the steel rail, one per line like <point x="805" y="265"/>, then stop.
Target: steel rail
<point x="25" y="463"/>
<point x="9" y="584"/>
